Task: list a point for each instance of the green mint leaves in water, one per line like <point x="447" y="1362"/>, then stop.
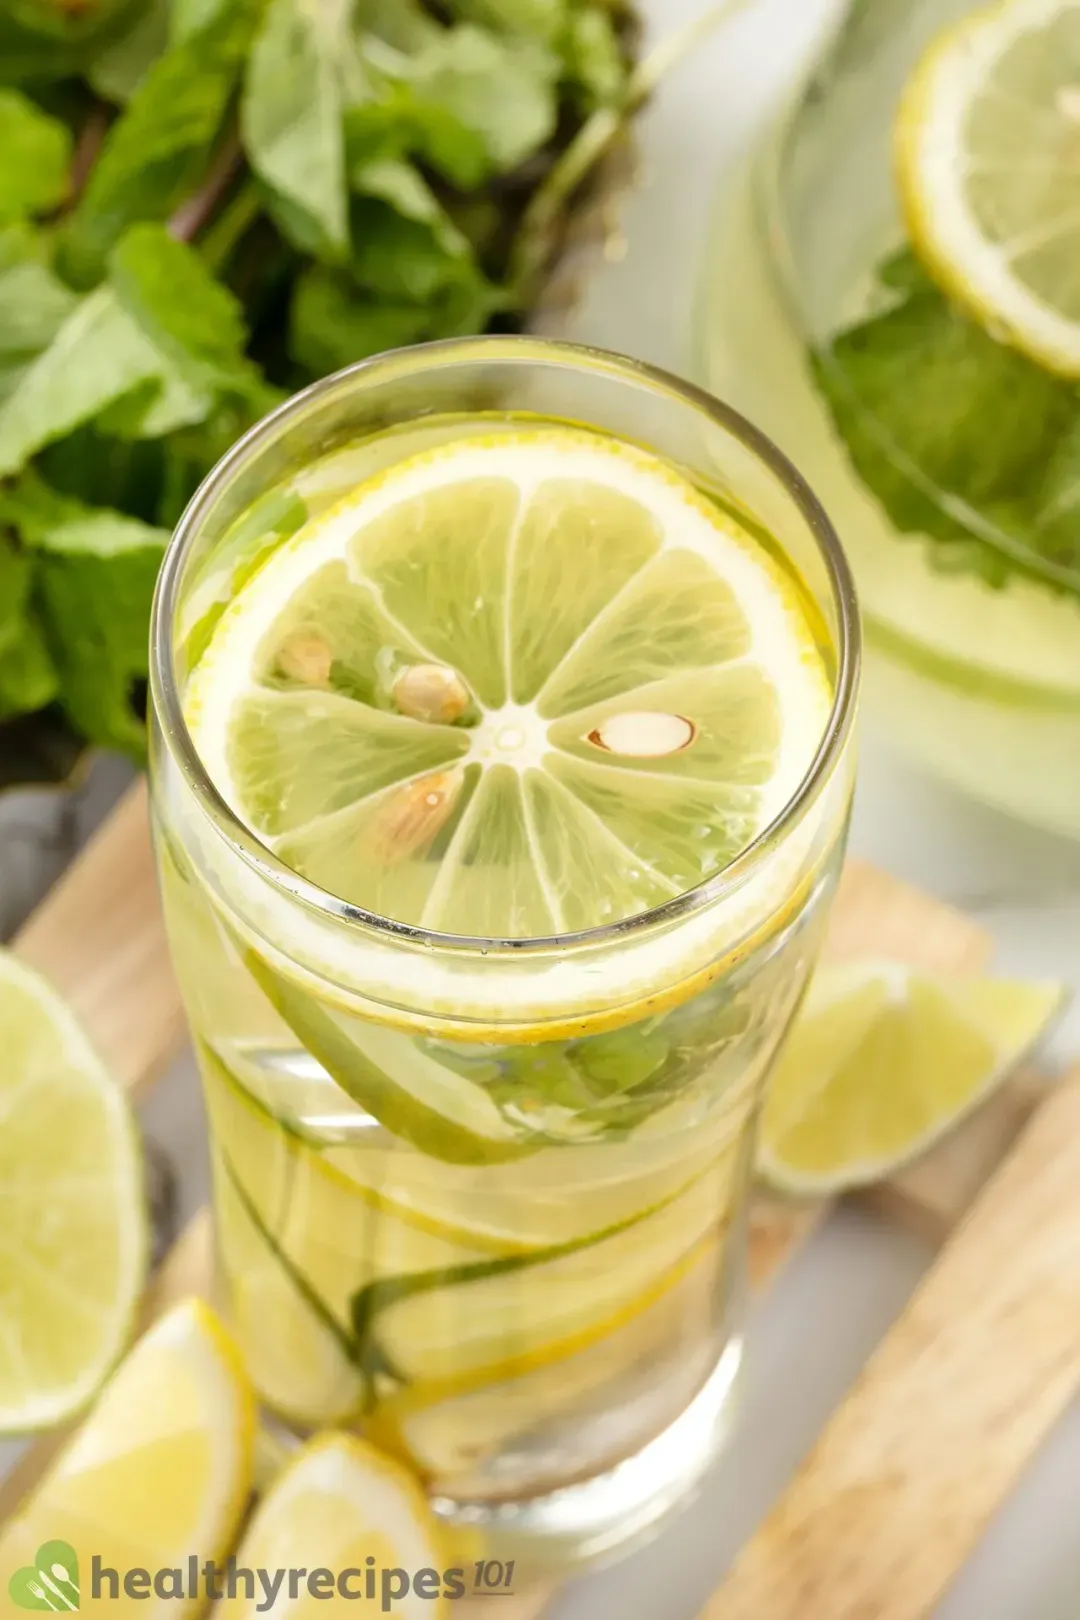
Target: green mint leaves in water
<point x="958" y="436"/>
<point x="204" y="204"/>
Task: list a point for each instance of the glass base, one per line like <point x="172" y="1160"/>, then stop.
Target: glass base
<point x="555" y="1536"/>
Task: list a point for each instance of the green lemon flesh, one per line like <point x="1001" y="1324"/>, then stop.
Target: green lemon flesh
<point x="882" y="1062"/>
<point x="73" y="1235"/>
<point x="572" y="594"/>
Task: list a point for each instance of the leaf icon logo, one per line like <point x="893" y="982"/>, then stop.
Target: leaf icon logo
<point x="51" y="1583"/>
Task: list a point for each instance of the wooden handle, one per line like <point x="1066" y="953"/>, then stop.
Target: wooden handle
<point x="948" y="1413"/>
<point x="99" y="937"/>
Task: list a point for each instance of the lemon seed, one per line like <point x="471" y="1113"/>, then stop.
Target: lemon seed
<point x="644" y="734"/>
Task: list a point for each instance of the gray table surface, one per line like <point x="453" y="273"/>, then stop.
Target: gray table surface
<point x="810" y="1336"/>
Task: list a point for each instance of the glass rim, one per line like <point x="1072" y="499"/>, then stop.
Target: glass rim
<point x="773" y="228"/>
<point x="165" y="691"/>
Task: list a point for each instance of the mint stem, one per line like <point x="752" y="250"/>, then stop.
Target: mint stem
<point x="196" y="211"/>
<point x="239" y="213"/>
<point x="595" y="138"/>
<point x="87" y="147"/>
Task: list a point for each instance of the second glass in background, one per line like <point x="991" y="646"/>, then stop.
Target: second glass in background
<point x="941" y="455"/>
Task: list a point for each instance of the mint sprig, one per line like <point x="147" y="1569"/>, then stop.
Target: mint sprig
<point x="958" y="436"/>
<point x="204" y="204"/>
<point x="88" y="581"/>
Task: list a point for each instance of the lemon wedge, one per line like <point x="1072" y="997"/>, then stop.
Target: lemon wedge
<point x="159" y="1473"/>
<point x="882" y="1062"/>
<point x="338" y="1511"/>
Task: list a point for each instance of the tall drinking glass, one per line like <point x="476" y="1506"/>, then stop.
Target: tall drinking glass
<point x="482" y="1193"/>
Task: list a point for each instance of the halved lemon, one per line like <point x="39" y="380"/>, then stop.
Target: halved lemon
<point x="882" y="1062"/>
<point x="520" y="684"/>
<point x="344" y="1515"/>
<point x="73" y="1219"/>
<point x="158" y="1475"/>
<point x="987" y="149"/>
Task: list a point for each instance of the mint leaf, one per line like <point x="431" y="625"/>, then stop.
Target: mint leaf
<point x="413" y="276"/>
<point x="303" y="73"/>
<point x="28" y="679"/>
<point x="191" y="319"/>
<point x="43" y="40"/>
<point x="404" y="25"/>
<point x="97" y="358"/>
<point x="101" y="364"/>
<point x="33" y="306"/>
<point x="593" y="57"/>
<point x="35" y="157"/>
<point x="407" y="249"/>
<point x="191" y="453"/>
<point x="903" y="273"/>
<point x="332" y="322"/>
<point x="152" y="350"/>
<point x="950" y="430"/>
<point x="473" y="104"/>
<point x="404" y="243"/>
<point x="1055" y="517"/>
<point x="156" y="152"/>
<point x="542" y="19"/>
<point x="34" y="303"/>
<point x="117" y="71"/>
<point x="94" y="573"/>
<point x="187" y="18"/>
<point x="396" y="123"/>
<point x="123" y="474"/>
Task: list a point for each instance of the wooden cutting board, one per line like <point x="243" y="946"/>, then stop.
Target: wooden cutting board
<point x="972" y="1371"/>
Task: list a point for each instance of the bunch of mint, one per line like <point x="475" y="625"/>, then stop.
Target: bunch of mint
<point x="957" y="435"/>
<point x="203" y="205"/>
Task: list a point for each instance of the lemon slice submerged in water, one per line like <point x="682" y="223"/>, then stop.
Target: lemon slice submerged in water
<point x="987" y="146"/>
<point x="519" y="685"/>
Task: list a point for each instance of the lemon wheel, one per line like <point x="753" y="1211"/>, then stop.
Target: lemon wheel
<point x="516" y="686"/>
<point x="986" y="144"/>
